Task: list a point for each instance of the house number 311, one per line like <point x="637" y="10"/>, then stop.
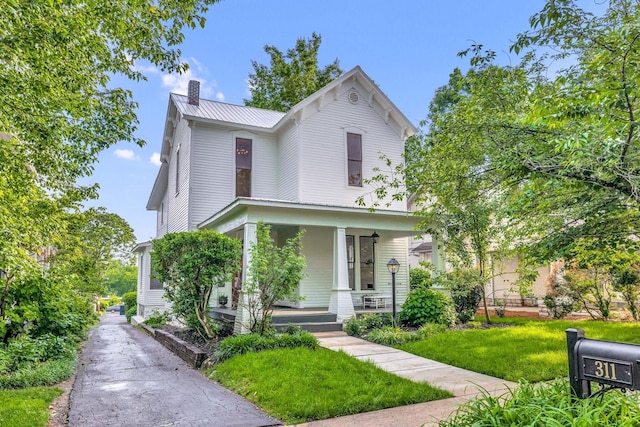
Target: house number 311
<point x="605" y="370"/>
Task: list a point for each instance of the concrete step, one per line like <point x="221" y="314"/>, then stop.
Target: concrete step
<point x="283" y="319"/>
<point x="312" y="326"/>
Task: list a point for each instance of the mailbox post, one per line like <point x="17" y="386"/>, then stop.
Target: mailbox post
<point x="579" y="388"/>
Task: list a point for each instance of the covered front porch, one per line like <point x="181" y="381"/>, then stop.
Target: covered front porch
<point x="309" y="319"/>
<point x="346" y="248"/>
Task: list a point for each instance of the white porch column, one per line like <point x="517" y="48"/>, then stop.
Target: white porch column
<point x="437" y="255"/>
<point x="341" y="303"/>
<point x="242" y="322"/>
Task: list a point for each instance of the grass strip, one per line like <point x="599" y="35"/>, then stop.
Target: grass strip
<point x="298" y="385"/>
<point x="45" y="373"/>
<point x="26" y="407"/>
<point x="534" y="350"/>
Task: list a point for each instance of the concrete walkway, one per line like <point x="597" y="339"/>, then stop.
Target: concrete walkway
<point x="463" y="384"/>
<point x="126" y="378"/>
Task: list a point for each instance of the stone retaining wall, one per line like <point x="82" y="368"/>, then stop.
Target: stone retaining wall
<point x="187" y="352"/>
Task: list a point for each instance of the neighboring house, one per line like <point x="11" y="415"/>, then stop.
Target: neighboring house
<point x="226" y="167"/>
<point x="423" y="249"/>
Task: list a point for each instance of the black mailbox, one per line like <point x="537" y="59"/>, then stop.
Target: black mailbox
<point x="612" y="363"/>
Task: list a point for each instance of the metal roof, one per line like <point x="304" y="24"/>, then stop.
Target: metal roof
<point x="228" y="113"/>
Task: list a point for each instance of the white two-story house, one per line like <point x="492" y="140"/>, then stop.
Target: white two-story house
<point x="226" y="167"/>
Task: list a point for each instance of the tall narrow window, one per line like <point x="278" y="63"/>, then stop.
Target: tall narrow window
<point x="367" y="263"/>
<point x="177" y="170"/>
<point x="243" y="167"/>
<point x="161" y="213"/>
<point x="354" y="158"/>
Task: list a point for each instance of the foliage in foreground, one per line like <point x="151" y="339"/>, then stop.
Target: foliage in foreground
<point x="191" y="264"/>
<point x="535" y="350"/>
<point x="27" y="407"/>
<point x="427" y="306"/>
<point x="43" y="373"/>
<point x="357" y="326"/>
<point x="547" y="404"/>
<point x="274" y="275"/>
<point x="253" y="343"/>
<point x="389" y="335"/>
<point x="300" y="385"/>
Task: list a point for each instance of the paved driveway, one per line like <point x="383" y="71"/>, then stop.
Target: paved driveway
<point x="126" y="378"/>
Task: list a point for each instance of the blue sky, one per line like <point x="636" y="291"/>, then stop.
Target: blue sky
<point x="408" y="47"/>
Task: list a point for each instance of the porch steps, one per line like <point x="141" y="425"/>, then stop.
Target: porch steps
<point x="312" y="322"/>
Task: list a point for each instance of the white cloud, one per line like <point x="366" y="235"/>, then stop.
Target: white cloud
<point x="155" y="159"/>
<point x="220" y="96"/>
<point x="125" y="154"/>
<point x="179" y="83"/>
<point x="147" y="69"/>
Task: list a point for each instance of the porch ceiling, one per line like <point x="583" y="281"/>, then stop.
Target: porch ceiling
<point x="243" y="210"/>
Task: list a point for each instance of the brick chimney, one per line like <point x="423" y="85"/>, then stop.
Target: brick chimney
<point x="194" y="92"/>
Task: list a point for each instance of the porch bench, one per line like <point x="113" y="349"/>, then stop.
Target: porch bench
<point x="376" y="300"/>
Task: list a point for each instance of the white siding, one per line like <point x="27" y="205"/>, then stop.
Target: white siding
<point x="385" y="250"/>
<point x="212" y="174"/>
<point x="147" y="297"/>
<point x="264" y="173"/>
<point x="178" y="197"/>
<point x="163" y="220"/>
<point x="323" y="164"/>
<point x="318" y="249"/>
<point x="288" y="164"/>
<point x="213" y="169"/>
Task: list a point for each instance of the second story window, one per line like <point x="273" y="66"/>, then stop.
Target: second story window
<point x="243" y="167"/>
<point x="354" y="159"/>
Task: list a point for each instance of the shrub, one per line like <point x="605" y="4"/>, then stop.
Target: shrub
<point x="131" y="312"/>
<point x="419" y="277"/>
<point x="430" y="329"/>
<point x="546" y="404"/>
<point x="427" y="306"/>
<point x="130" y="299"/>
<point x="191" y="264"/>
<point x="389" y="335"/>
<point x="47" y="373"/>
<point x="358" y="326"/>
<point x="466" y="287"/>
<point x="559" y="305"/>
<point x="158" y="318"/>
<point x="251" y="343"/>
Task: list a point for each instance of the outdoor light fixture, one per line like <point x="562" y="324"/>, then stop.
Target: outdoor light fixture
<point x="375" y="236"/>
<point x="393" y="265"/>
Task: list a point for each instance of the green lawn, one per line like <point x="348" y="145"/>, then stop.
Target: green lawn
<point x="535" y="350"/>
<point x="297" y="385"/>
<point x="26" y="407"/>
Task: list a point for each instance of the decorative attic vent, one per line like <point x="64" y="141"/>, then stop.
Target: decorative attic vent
<point x="353" y="97"/>
<point x="193" y="95"/>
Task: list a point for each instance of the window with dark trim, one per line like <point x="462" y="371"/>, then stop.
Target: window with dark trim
<point x="153" y="282"/>
<point x="243" y="167"/>
<point x="354" y="159"/>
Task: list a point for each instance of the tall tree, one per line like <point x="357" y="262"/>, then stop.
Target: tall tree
<point x="290" y="77"/>
<point x="93" y="240"/>
<point x="557" y="149"/>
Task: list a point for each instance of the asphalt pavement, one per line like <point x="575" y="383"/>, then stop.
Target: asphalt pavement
<point x="126" y="378"/>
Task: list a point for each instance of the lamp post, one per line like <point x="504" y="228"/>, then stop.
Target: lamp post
<point x="393" y="265"/>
